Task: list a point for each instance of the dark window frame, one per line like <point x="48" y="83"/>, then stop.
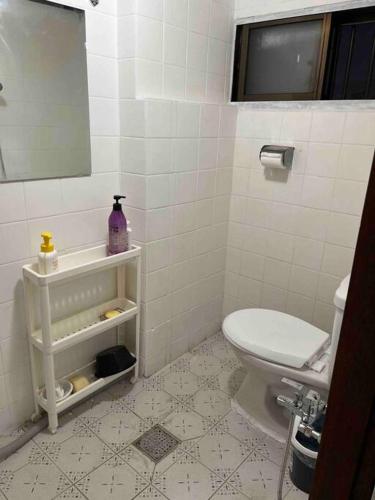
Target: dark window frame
<point x="241" y="56"/>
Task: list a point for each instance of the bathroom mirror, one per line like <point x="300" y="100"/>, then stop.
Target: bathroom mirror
<point x="44" y="107"/>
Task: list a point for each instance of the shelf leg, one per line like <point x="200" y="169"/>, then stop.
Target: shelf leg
<point x="134" y="378"/>
<point x="137" y="320"/>
<point x="121" y="292"/>
<point x="121" y="276"/>
<point x="28" y="290"/>
<point x="48" y="361"/>
<point x="49" y="376"/>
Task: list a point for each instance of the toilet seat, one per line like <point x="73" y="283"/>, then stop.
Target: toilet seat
<point x="275" y="336"/>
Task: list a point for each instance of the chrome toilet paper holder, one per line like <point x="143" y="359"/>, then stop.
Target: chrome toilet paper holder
<point x="276" y="156"/>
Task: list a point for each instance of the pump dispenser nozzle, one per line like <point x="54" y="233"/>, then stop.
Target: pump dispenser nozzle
<point x="117" y="204"/>
<point x="47" y="246"/>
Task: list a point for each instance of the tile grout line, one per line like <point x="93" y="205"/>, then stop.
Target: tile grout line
<point x="115" y="454"/>
<point x="45" y="453"/>
<point x="118" y="454"/>
<point x="247" y="456"/>
<point x="252" y="451"/>
<point x="214" y="424"/>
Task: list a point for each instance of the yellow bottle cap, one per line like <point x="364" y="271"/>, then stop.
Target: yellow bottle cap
<point x="47" y="246"/>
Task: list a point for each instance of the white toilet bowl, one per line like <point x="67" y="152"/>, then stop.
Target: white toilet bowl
<point x="272" y="345"/>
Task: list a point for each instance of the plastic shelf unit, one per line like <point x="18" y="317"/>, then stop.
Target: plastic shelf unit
<point x="52" y="336"/>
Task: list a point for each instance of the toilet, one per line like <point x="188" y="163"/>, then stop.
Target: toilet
<point x="272" y="345"/>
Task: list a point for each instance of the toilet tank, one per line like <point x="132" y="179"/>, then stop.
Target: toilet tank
<point x="339" y="301"/>
<point x="341" y="294"/>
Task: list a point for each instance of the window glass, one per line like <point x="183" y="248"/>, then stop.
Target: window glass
<point x="354" y="75"/>
<point x="283" y="58"/>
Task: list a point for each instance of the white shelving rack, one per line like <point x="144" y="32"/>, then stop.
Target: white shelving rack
<point x="54" y="336"/>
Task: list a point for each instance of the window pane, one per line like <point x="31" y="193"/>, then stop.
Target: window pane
<point x="344" y="38"/>
<point x="355" y="62"/>
<point x="283" y="58"/>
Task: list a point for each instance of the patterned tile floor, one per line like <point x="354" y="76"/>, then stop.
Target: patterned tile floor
<point x="91" y="456"/>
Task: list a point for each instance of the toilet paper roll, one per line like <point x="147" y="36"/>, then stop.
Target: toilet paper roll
<point x="272" y="160"/>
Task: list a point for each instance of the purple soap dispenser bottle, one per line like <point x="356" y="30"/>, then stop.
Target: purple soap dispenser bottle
<point x="117" y="229"/>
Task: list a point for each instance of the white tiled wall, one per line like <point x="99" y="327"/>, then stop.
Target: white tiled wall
<point x="176" y="49"/>
<point x="176" y="161"/>
<point x="292" y="237"/>
<point x="75" y="210"/>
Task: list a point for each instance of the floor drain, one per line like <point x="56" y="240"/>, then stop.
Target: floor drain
<point x="156" y="443"/>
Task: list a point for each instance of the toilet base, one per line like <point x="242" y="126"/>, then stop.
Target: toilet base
<point x="235" y="405"/>
<point x="256" y="397"/>
<point x="256" y="401"/>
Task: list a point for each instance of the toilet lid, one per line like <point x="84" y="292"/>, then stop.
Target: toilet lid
<point x="274" y="336"/>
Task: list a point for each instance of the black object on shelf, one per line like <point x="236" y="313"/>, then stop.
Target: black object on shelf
<point x="113" y="360"/>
